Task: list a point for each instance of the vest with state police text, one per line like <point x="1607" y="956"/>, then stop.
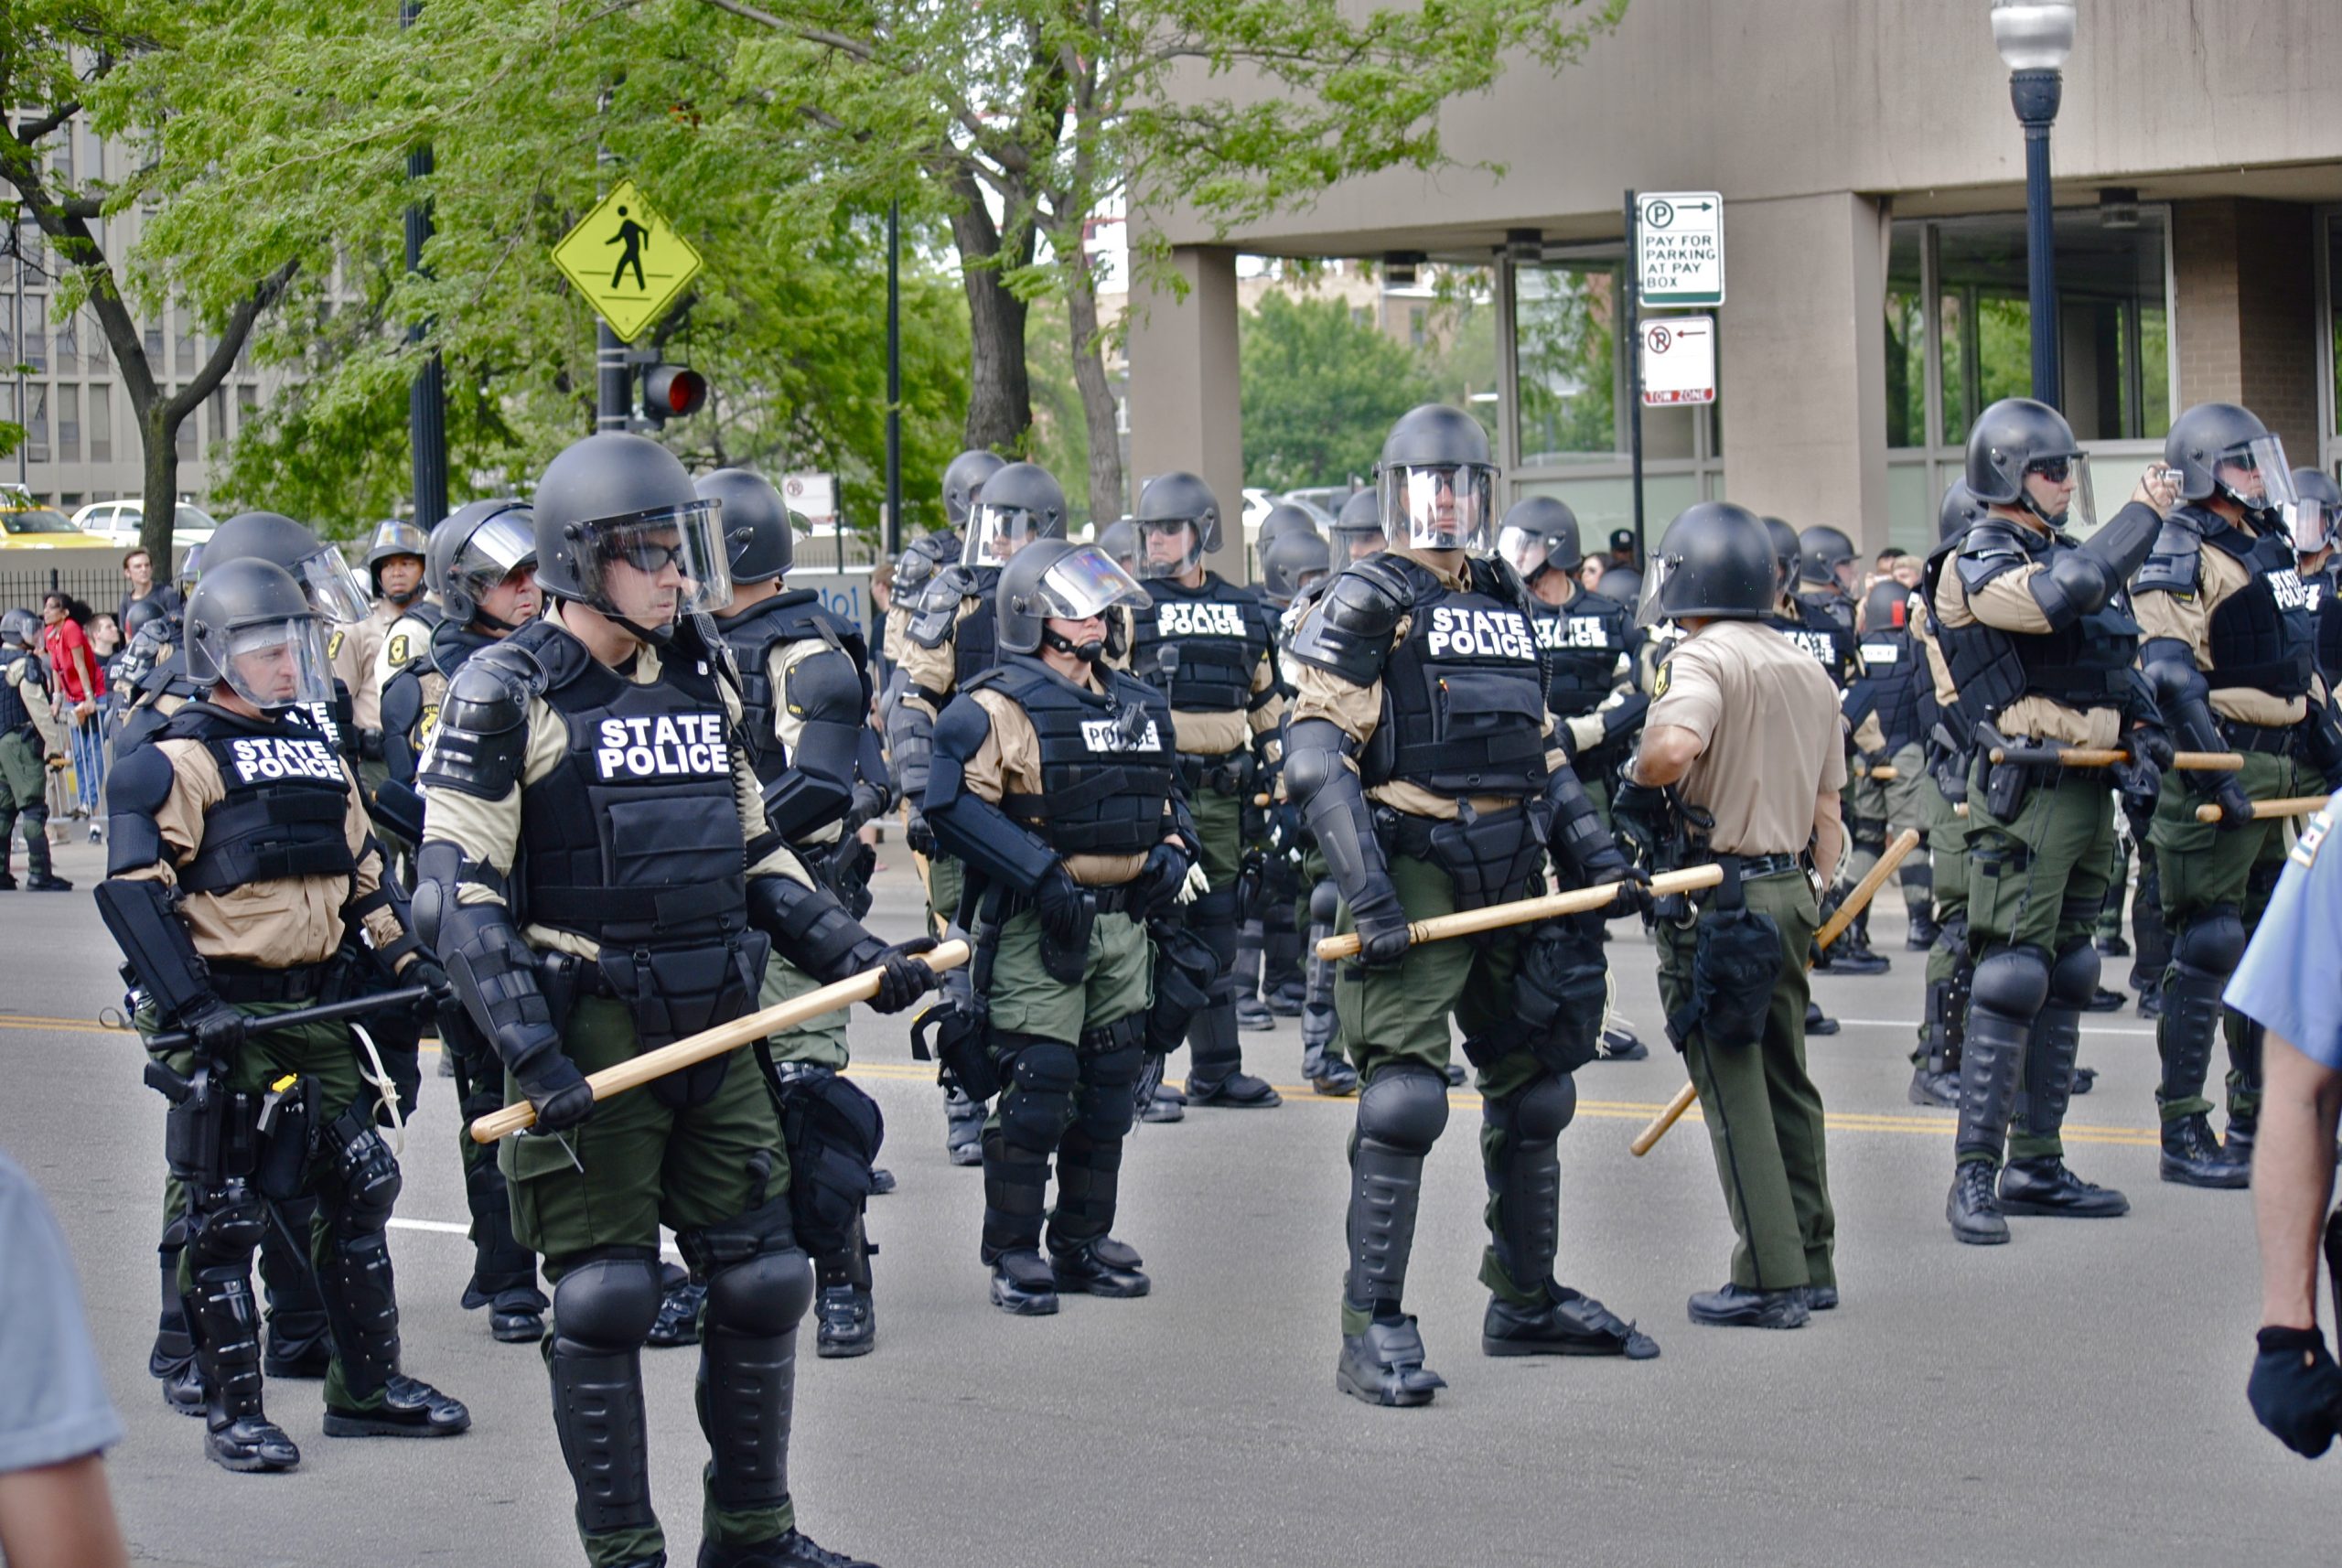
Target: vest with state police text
<point x="1462" y="693"/>
<point x="1199" y="646"/>
<point x="1583" y="642"/>
<point x="2263" y="636"/>
<point x="283" y="815"/>
<point x="2087" y="665"/>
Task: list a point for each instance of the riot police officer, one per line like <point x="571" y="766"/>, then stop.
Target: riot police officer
<point x="950" y="641"/>
<point x="1292" y="564"/>
<point x="2316" y="515"/>
<point x="2230" y="650"/>
<point x="1209" y="646"/>
<point x="481" y="565"/>
<point x="585" y="772"/>
<point x="32" y="742"/>
<point x="2037" y="633"/>
<point x="1826" y="572"/>
<point x="1119" y="540"/>
<point x="1358" y="531"/>
<point x="1891" y="705"/>
<point x="1428" y="765"/>
<point x="1055" y="782"/>
<point x="395" y="563"/>
<point x="805" y="696"/>
<point x="1745" y="732"/>
<point x="1935" y="1062"/>
<point x="240" y="850"/>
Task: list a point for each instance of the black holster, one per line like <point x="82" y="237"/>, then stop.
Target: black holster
<point x="1067" y="962"/>
<point x="675" y="993"/>
<point x="1185" y="970"/>
<point x="1492" y="859"/>
<point x="833" y="1132"/>
<point x="1735" y="958"/>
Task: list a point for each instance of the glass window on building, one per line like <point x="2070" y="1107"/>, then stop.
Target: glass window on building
<point x="36" y="348"/>
<point x="2329" y="455"/>
<point x="68" y="424"/>
<point x="184" y="442"/>
<point x="154" y="345"/>
<point x="183" y="346"/>
<point x="248" y="406"/>
<point x="36" y="425"/>
<point x="69" y="346"/>
<point x="101" y="423"/>
<point x="218" y="416"/>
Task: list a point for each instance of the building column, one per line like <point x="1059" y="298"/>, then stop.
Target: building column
<point x="1803" y="352"/>
<point x="1185" y="409"/>
<point x="2245" y="282"/>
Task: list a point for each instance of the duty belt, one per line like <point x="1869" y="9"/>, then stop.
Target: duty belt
<point x="2262" y="739"/>
<point x="1228" y="774"/>
<point x="1121" y="898"/>
<point x="1754" y="866"/>
<point x="251" y="982"/>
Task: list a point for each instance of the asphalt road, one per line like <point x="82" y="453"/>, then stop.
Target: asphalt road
<point x="2074" y="1398"/>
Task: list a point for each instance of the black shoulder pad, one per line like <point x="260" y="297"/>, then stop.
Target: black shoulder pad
<point x="937" y="614"/>
<point x="403" y="698"/>
<point x="825" y="687"/>
<point x="1499" y="579"/>
<point x="136" y="787"/>
<point x="482" y="735"/>
<point x="1348" y="632"/>
<point x="2175" y="565"/>
<point x="961" y="728"/>
<point x="1987" y="550"/>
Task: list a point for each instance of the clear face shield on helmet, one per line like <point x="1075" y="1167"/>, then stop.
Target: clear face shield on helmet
<point x="1085" y="584"/>
<point x="1649" y="612"/>
<point x="1169" y="547"/>
<point x="2255" y="475"/>
<point x="2311" y="522"/>
<point x="2058" y="490"/>
<point x="272" y="664"/>
<point x="653" y="568"/>
<point x="1526" y="552"/>
<point x="997" y="532"/>
<point x="1440" y="506"/>
<point x="334" y="590"/>
<point x="497" y="548"/>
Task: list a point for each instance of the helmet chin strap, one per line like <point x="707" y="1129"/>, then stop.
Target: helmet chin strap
<point x="1088" y="652"/>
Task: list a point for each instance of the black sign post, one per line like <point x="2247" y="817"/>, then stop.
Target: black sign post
<point x="1634" y="338"/>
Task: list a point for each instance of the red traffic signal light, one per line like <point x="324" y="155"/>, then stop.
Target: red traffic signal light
<point x="670" y="392"/>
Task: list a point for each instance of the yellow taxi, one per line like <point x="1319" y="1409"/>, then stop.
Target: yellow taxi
<point x="26" y="525"/>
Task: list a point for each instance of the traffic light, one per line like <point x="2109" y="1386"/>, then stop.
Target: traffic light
<point x="670" y="392"/>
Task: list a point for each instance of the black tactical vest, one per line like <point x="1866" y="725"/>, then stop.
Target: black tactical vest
<point x="794" y="617"/>
<point x="1199" y="646"/>
<point x="1583" y="642"/>
<point x="2087" y="665"/>
<point x="1818" y="636"/>
<point x="975" y="641"/>
<point x="2324" y="603"/>
<point x="2263" y="636"/>
<point x="1896" y="676"/>
<point x="14" y="717"/>
<point x="285" y="813"/>
<point x="1107" y="759"/>
<point x="1463" y="694"/>
<point x="635" y="840"/>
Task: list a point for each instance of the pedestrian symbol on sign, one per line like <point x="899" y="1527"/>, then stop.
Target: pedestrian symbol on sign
<point x="631" y="234"/>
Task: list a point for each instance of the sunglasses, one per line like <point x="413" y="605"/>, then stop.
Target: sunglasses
<point x="2057" y="470"/>
<point x="649" y="556"/>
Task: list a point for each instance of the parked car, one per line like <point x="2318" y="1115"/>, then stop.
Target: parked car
<point x="117" y="523"/>
<point x="26" y="525"/>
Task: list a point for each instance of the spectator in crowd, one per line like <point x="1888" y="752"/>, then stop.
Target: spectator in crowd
<point x="138" y="571"/>
<point x="55" y="1420"/>
<point x="74" y="670"/>
<point x="105" y="638"/>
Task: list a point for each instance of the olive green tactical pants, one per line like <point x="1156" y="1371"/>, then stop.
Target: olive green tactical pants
<point x="1947" y="853"/>
<point x="1220" y="823"/>
<point x="1898" y="803"/>
<point x="1763" y="1112"/>
<point x="819" y="1041"/>
<point x="1118" y="980"/>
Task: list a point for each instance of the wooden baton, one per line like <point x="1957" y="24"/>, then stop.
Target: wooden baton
<point x="1856" y="902"/>
<point x="636" y="1071"/>
<point x="2290" y="806"/>
<point x="2091" y="756"/>
<point x="1578" y="901"/>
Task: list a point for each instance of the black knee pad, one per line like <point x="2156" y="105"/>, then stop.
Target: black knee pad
<point x="609" y="1303"/>
<point x="1537" y="1113"/>
<point x="763" y="1297"/>
<point x="1404" y="1106"/>
<point x="225" y="1234"/>
<point x="1038" y="1101"/>
<point x="2012" y="982"/>
<point x="1324" y="903"/>
<point x="2212" y="940"/>
<point x="366" y="1179"/>
<point x="1104" y="1107"/>
<point x="2073" y="979"/>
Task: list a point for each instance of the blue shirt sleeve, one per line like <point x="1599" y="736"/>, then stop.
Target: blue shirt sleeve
<point x="53" y="1403"/>
<point x="2289" y="979"/>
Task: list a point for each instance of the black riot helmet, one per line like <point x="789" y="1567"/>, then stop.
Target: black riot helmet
<point x="1282" y="516"/>
<point x="2017" y="438"/>
<point x="1886" y="607"/>
<point x="391" y="538"/>
<point x="474" y="548"/>
<point x="922" y="559"/>
<point x="1537" y="534"/>
<point x="190" y="569"/>
<point x="1960" y="509"/>
<point x="1357" y="529"/>
<point x="1715" y="560"/>
<point x="1171" y="504"/>
<point x="1052" y="579"/>
<point x="2222" y="450"/>
<point x="1021" y="502"/>
<point x="1826" y="556"/>
<point x="964" y="482"/>
<point x="333" y="588"/>
<point x="620" y="530"/>
<point x="19" y="628"/>
<point x="141" y="613"/>
<point x="1437" y="479"/>
<point x="2317" y="504"/>
<point x="759" y="531"/>
<point x="251" y="625"/>
<point x="1623" y="584"/>
<point x="1291" y="561"/>
<point x="1119" y="540"/>
<point x="1789" y="554"/>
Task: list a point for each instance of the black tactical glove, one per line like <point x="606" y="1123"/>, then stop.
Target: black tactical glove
<point x="217" y="1029"/>
<point x="2139" y="781"/>
<point x="446" y="1007"/>
<point x="1638" y="813"/>
<point x="2151" y="743"/>
<point x="1057" y="904"/>
<point x="1382" y="923"/>
<point x="1634" y="882"/>
<point x="1160" y="879"/>
<point x="551" y="1083"/>
<point x="869" y="803"/>
<point x="2236" y="806"/>
<point x="2296" y="1389"/>
<point x="906" y="979"/>
<point x="919" y="836"/>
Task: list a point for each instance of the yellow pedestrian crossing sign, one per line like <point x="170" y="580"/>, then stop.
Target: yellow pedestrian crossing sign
<point x="624" y="259"/>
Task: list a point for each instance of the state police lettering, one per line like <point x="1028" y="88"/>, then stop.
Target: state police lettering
<point x="1458" y="632"/>
<point x="1820" y="645"/>
<point x="1555" y="633"/>
<point x="2290" y="592"/>
<point x="1108" y="734"/>
<point x="673" y="746"/>
<point x="258" y="758"/>
<point x="1181" y="618"/>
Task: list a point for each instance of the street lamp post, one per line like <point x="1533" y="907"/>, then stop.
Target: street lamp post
<point x="2035" y="37"/>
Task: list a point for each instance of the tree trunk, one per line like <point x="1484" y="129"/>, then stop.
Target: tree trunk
<point x="159" y="489"/>
<point x="1000" y="391"/>
<point x="1098" y="410"/>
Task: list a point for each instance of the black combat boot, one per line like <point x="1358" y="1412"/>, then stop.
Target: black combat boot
<point x="1992" y="1051"/>
<point x="1015" y="1191"/>
<point x="1738" y="1307"/>
<point x="172" y="1360"/>
<point x="1924" y="928"/>
<point x="225" y="1321"/>
<point x="1082" y="1257"/>
<point x="847" y="1312"/>
<point x="1384" y="1364"/>
<point x="1327" y="1074"/>
<point x="1215" y="1075"/>
<point x="795" y="1550"/>
<point x="1400" y="1116"/>
<point x="2191" y="1155"/>
<point x="2041" y="1184"/>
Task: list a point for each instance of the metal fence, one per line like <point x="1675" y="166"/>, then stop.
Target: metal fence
<point x="98" y="582"/>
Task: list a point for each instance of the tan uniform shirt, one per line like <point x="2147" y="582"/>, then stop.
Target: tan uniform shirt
<point x="936" y="669"/>
<point x="489" y="831"/>
<point x="280" y="924"/>
<point x="35" y="695"/>
<point x="2187" y="617"/>
<point x="2007" y="602"/>
<point x="408" y="639"/>
<point x="1357" y="712"/>
<point x="1009" y="763"/>
<point x="352" y="649"/>
<point x="1771" y="738"/>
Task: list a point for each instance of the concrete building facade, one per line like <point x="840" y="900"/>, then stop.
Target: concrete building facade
<point x="1871" y="171"/>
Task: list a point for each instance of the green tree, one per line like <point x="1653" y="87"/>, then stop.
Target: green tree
<point x="1320" y="390"/>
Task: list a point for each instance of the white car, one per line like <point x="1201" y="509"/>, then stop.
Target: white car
<point x="117" y="522"/>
